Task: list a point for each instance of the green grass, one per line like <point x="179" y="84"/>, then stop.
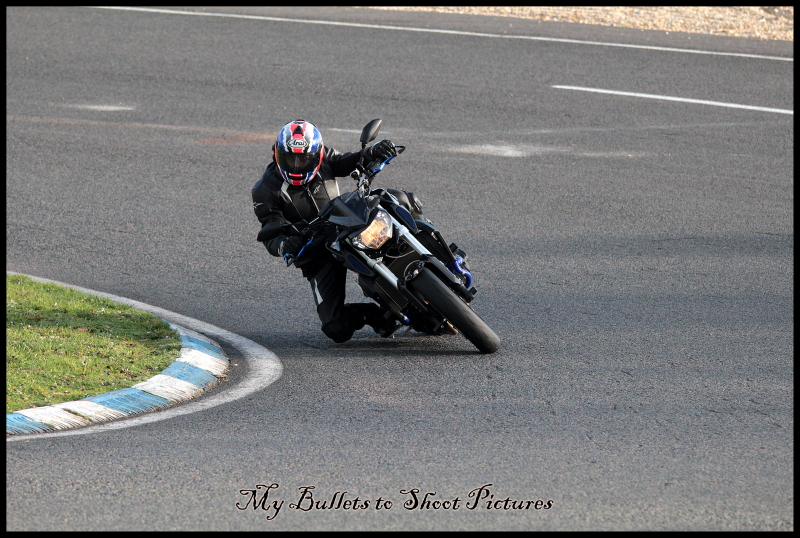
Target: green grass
<point x="63" y="345"/>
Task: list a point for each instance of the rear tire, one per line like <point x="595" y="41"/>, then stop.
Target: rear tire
<point x="456" y="311"/>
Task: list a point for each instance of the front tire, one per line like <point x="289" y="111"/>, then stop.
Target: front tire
<point x="463" y="318"/>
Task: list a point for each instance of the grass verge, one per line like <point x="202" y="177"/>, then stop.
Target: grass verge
<point x="63" y="345"/>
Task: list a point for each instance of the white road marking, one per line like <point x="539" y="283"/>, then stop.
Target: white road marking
<point x="681" y="99"/>
<point x="491" y="149"/>
<point x="438" y="31"/>
<point x="528" y="151"/>
<point x="102" y="108"/>
<point x="263" y="369"/>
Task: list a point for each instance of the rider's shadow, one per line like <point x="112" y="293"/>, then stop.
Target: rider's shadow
<point x="405" y="342"/>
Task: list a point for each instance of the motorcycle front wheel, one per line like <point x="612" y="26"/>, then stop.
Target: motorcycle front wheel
<point x="456" y="311"/>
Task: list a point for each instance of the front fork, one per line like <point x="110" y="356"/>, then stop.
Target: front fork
<point x="446" y="273"/>
<point x="384" y="271"/>
<point x="399" y="283"/>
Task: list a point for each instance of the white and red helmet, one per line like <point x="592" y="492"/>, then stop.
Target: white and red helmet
<point x="298" y="152"/>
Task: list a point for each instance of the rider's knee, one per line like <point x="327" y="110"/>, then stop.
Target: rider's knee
<point x="341" y="328"/>
<point x="337" y="332"/>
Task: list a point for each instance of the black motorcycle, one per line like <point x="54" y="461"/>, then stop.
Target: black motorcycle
<point x="403" y="263"/>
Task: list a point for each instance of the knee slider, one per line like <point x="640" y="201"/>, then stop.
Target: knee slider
<point x="337" y="332"/>
<point x="342" y="328"/>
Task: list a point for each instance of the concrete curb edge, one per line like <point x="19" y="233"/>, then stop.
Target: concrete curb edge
<point x="202" y="363"/>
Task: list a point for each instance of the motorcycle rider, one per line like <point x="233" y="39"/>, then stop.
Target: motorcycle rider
<point x="298" y="182"/>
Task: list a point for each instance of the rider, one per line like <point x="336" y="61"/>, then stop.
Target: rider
<point x="298" y="182"/>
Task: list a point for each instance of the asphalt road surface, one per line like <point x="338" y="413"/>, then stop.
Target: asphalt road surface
<point x="634" y="254"/>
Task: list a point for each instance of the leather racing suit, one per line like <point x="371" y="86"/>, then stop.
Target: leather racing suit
<point x="275" y="200"/>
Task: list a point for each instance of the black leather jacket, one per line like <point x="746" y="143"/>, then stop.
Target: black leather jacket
<point x="275" y="200"/>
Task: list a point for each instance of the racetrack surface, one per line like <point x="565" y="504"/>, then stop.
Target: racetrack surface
<point x="635" y="256"/>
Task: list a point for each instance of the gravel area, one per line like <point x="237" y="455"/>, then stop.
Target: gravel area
<point x="756" y="22"/>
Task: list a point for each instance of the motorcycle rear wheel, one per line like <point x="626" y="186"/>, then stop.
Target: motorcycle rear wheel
<point x="456" y="311"/>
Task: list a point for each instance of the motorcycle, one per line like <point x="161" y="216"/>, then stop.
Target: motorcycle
<point x="402" y="263"/>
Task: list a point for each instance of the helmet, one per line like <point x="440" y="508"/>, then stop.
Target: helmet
<point x="298" y="152"/>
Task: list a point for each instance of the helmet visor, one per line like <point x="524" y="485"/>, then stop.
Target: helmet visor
<point x="298" y="163"/>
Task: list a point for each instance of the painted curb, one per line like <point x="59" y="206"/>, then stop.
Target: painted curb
<point x="202" y="363"/>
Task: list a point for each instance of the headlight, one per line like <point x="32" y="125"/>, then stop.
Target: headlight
<point x="376" y="234"/>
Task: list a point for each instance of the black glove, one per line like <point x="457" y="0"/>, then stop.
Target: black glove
<point x="291" y="245"/>
<point x="381" y="151"/>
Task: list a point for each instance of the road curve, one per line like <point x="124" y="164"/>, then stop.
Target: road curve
<point x="263" y="366"/>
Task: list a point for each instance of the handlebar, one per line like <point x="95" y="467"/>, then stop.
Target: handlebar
<point x="365" y="175"/>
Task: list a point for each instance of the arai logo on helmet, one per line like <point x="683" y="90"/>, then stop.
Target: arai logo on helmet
<point x="296" y="143"/>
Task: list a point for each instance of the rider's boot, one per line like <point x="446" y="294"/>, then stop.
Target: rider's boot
<point x="374" y="316"/>
<point x="386" y="328"/>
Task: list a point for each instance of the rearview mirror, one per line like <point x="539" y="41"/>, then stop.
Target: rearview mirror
<point x="370" y="132"/>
